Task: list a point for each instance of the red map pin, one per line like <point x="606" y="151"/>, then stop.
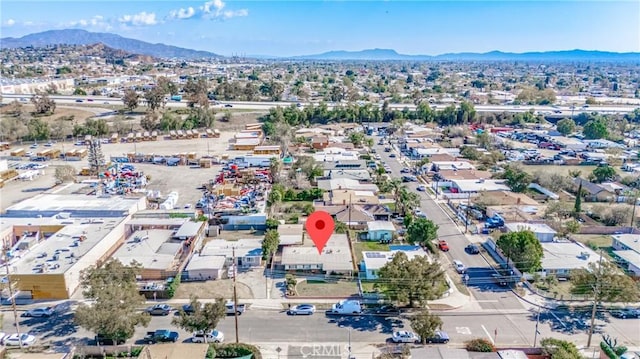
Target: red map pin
<point x="320" y="227"/>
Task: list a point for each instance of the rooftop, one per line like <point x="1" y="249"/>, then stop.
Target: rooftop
<point x="72" y="241"/>
<point x="206" y="261"/>
<point x="336" y="255"/>
<point x="377" y="260"/>
<point x="567" y="255"/>
<point x="290" y="234"/>
<point x="380" y="226"/>
<point x="533" y="227"/>
<point x="629" y="257"/>
<point x="153" y="249"/>
<point x="249" y="247"/>
<point x="189" y="229"/>
<point x="631" y="241"/>
<point x="78" y="205"/>
<point x="480" y="185"/>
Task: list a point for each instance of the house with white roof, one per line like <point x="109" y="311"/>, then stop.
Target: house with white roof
<point x="372" y="261"/>
<point x="543" y="232"/>
<point x="380" y="231"/>
<point x="626" y="248"/>
<point x="561" y="258"/>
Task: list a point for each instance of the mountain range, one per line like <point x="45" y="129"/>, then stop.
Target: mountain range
<point x="82" y="37"/>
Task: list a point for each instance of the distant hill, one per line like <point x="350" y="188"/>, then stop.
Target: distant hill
<point x="388" y="54"/>
<point x="82" y="37"/>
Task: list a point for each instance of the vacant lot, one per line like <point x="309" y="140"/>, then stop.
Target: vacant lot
<point x="324" y="289"/>
<point x="562" y="170"/>
<point x="222" y="288"/>
<point x="78" y="114"/>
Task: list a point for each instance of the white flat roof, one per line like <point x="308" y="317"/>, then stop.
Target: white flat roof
<point x="533" y="227"/>
<point x="66" y="241"/>
<point x="189" y="229"/>
<point x="375" y="260"/>
<point x="52" y="203"/>
<point x="335" y="256"/>
<point x="199" y="262"/>
<point x="153" y="249"/>
<point x="290" y="234"/>
<point x="249" y="247"/>
<point x="632" y="241"/>
<point x="566" y="255"/>
<point x="381" y="226"/>
<point x="481" y="185"/>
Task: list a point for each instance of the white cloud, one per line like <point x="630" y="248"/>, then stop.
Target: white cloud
<point x="9" y="22"/>
<point x="97" y="21"/>
<point x="140" y="19"/>
<point x="182" y="13"/>
<point x="216" y="9"/>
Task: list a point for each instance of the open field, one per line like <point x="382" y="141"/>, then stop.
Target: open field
<point x="562" y="170"/>
<point x="78" y="114"/>
<point x="222" y="288"/>
<point x="323" y="289"/>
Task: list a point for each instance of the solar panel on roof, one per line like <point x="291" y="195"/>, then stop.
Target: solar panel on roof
<point x="375" y="255"/>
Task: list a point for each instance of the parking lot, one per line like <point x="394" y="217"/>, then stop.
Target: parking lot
<point x="165" y="179"/>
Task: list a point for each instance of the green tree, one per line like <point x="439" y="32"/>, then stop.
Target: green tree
<point x="603" y="174"/>
<point x="130" y="99"/>
<point x="42" y="103"/>
<point x="38" y="129"/>
<point x="560" y="349"/>
<point x="115" y="311"/>
<point x="523" y="249"/>
<point x="270" y="243"/>
<point x="577" y="206"/>
<point x="422" y="231"/>
<point x="357" y="138"/>
<point x="79" y="92"/>
<point x="595" y="129"/>
<point x="205" y="316"/>
<point x="425" y="325"/>
<point x="606" y="282"/>
<point x="410" y="281"/>
<point x="469" y="153"/>
<point x="155" y="98"/>
<point x="566" y="126"/>
<point x="517" y="179"/>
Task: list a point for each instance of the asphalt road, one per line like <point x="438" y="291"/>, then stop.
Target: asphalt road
<point x="515" y="328"/>
<point x="487" y="294"/>
<point x="564" y="110"/>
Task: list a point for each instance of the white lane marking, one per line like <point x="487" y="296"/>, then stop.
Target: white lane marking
<point x="488" y="335"/>
<point x="463" y="330"/>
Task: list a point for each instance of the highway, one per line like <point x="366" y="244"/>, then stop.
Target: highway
<point x="265" y="106"/>
<point x="487" y="294"/>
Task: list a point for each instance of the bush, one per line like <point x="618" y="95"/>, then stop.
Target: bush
<point x="272" y="223"/>
<point x="608" y="351"/>
<point x="233" y="350"/>
<point x="171" y="289"/>
<point x="480" y="345"/>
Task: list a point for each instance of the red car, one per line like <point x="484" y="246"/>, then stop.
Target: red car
<point x="442" y="244"/>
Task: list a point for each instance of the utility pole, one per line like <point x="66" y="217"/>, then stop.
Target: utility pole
<point x="596" y="292"/>
<point x="13" y="300"/>
<point x="235" y="293"/>
<point x="633" y="211"/>
<point x="535" y="336"/>
<point x="350" y="211"/>
<point x="466" y="214"/>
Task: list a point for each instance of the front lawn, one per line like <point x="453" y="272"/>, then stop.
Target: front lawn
<point x="316" y="288"/>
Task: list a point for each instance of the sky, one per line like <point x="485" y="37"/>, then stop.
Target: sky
<point x="302" y="27"/>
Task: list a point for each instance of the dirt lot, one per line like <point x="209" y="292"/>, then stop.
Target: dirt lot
<point x="61" y="111"/>
<point x="213" y="289"/>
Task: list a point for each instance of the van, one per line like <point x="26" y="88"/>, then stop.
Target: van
<point x="231" y="308"/>
<point x="346" y="307"/>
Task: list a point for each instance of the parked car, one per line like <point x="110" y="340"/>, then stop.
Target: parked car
<point x="14" y="340"/>
<point x="443" y="245"/>
<point x="403" y="336"/>
<point x="159" y="309"/>
<point x="499" y="280"/>
<point x="393" y="155"/>
<point x="472" y="249"/>
<point x="102" y="340"/>
<point x="460" y="268"/>
<point x="213" y="336"/>
<point x="626" y="313"/>
<point x="387" y="310"/>
<point x="302" y="309"/>
<point x="439" y="337"/>
<point x="421" y="188"/>
<point x="38" y="313"/>
<point x="161" y="336"/>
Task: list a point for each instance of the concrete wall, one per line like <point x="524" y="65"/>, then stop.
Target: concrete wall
<point x="42" y="286"/>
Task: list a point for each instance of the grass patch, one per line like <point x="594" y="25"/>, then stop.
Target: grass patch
<point x="323" y="289"/>
<point x="562" y="170"/>
<point x="360" y="247"/>
<point x="368" y="286"/>
<point x="601" y="241"/>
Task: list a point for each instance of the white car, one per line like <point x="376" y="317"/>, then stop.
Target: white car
<point x="15" y="339"/>
<point x="302" y="309"/>
<point x="214" y="336"/>
<point x="460" y="268"/>
<point x="404" y="336"/>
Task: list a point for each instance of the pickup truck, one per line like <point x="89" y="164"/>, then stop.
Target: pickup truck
<point x="161" y="336"/>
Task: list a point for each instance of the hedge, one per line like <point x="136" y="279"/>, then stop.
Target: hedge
<point x="233" y="350"/>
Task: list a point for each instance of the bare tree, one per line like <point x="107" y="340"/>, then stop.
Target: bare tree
<point x="130" y="99"/>
<point x="42" y="103"/>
